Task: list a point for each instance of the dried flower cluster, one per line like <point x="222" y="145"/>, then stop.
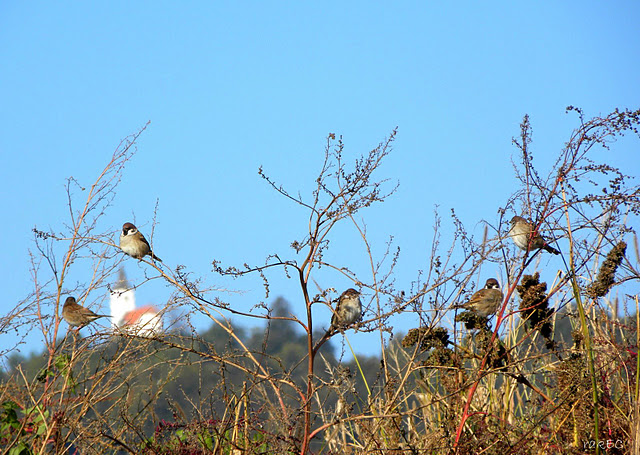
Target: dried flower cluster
<point x="606" y="275"/>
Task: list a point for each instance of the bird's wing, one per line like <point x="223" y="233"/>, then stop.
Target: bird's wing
<point x="87" y="312"/>
<point x="143" y="239"/>
<point x="481" y="294"/>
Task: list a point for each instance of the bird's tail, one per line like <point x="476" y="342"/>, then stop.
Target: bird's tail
<point x="155" y="257"/>
<point x="550" y="249"/>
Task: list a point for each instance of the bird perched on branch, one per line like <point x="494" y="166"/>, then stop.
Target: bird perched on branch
<point x="486" y="301"/>
<point x="526" y="238"/>
<point x="78" y="316"/>
<point x="348" y="310"/>
<point x="133" y="243"/>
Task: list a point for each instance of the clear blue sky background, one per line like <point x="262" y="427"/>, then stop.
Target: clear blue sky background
<point x="231" y="86"/>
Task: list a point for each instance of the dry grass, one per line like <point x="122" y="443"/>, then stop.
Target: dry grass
<point x="554" y="371"/>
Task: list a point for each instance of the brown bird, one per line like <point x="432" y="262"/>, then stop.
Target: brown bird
<point x="78" y="316"/>
<point x="348" y="310"/>
<point x="525" y="238"/>
<point x="486" y="301"/>
<point x="133" y="243"/>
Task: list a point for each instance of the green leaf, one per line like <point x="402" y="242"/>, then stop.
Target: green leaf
<point x="20" y="449"/>
<point x="206" y="440"/>
<point x="9" y="405"/>
<point x="42" y="429"/>
<point x="62" y="362"/>
<point x="9" y="418"/>
<point x="44" y="373"/>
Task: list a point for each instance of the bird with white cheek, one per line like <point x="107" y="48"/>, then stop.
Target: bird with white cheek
<point x="525" y="238"/>
<point x="348" y="310"/>
<point x="133" y="243"/>
<point x="486" y="301"/>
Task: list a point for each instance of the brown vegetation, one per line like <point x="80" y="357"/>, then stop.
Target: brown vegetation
<point x="555" y="371"/>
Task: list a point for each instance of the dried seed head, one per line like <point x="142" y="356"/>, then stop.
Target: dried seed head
<point x="606" y="275"/>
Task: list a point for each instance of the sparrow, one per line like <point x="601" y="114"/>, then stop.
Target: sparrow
<point x="348" y="310"/>
<point x="78" y="316"/>
<point x="525" y="238"/>
<point x="133" y="243"/>
<point x="486" y="301"/>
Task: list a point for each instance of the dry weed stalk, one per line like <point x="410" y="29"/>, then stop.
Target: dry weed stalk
<point x="510" y="385"/>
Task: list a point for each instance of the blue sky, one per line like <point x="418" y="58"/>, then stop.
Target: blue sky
<point x="231" y="86"/>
